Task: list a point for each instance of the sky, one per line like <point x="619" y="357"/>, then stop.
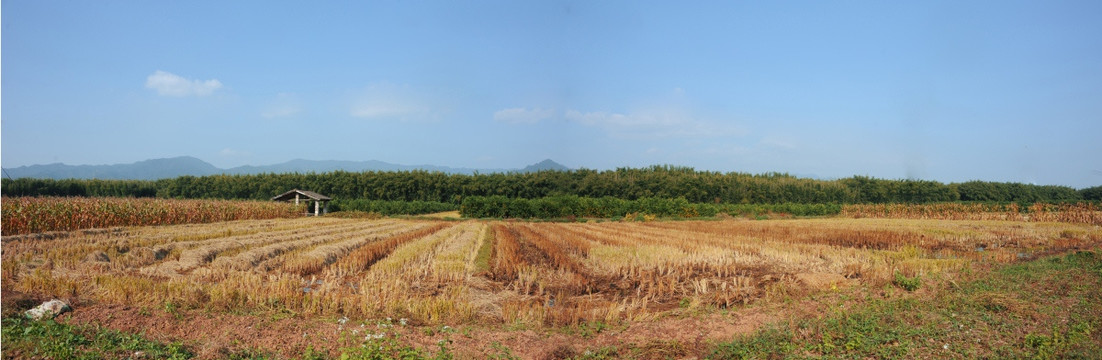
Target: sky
<point x="949" y="91"/>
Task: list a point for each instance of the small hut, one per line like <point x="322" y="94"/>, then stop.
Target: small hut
<point x="321" y="202"/>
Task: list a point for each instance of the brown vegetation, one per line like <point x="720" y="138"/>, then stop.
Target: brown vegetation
<point x="25" y="215"/>
<point x="1082" y="213"/>
<point x="529" y="274"/>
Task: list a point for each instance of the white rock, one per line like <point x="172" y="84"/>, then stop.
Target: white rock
<point x="49" y="310"/>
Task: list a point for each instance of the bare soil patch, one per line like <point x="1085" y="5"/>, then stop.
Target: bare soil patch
<point x="217" y="335"/>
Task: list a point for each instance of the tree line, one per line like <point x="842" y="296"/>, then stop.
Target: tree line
<point x="663" y="182"/>
<point x="571" y="206"/>
<point x="391" y="207"/>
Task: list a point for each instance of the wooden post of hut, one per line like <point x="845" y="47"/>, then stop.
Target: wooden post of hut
<point x="298" y="195"/>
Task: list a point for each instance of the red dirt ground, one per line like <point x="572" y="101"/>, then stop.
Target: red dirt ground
<point x="216" y="335"/>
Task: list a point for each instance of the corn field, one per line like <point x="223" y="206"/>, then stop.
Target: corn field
<point x="1082" y="213"/>
<point x="530" y="274"/>
<point x="26" y="215"/>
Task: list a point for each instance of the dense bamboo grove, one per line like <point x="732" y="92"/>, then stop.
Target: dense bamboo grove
<point x="25" y="215"/>
<point x="1083" y="213"/>
<point x="391" y="207"/>
<point x="609" y="207"/>
<point x="575" y="207"/>
<point x="530" y="274"/>
<point x="665" y="182"/>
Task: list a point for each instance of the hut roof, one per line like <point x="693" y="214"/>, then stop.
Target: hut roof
<point x="290" y="195"/>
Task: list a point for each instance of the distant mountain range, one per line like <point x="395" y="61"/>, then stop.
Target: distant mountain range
<point x="186" y="165"/>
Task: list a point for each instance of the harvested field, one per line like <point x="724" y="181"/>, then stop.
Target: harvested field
<point x="27" y="215"/>
<point x="512" y="274"/>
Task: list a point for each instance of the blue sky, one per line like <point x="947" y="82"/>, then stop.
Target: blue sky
<point x="948" y="91"/>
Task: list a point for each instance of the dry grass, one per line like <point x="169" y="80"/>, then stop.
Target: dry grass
<point x="443" y="215"/>
<point x="1083" y="213"/>
<point x="25" y="215"/>
<point x="530" y="274"/>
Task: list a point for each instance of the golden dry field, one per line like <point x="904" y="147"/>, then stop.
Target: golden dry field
<point x="506" y="274"/>
<point x="26" y="215"/>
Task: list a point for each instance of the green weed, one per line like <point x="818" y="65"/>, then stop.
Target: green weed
<point x="994" y="315"/>
<point x="501" y="352"/>
<point x="907" y="283"/>
<point x="24" y="338"/>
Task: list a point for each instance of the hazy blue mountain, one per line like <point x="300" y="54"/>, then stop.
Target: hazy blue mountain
<point x="186" y="165"/>
<point x="304" y="166"/>
<point x="318" y="166"/>
<point x="544" y="166"/>
<point x="142" y="170"/>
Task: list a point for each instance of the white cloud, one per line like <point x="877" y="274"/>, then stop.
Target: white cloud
<point x="284" y="105"/>
<point x="169" y="84"/>
<point x="667" y="116"/>
<point x="387" y="101"/>
<point x="658" y="123"/>
<point x="778" y="142"/>
<point x="279" y="111"/>
<point x="634" y="120"/>
<point x="385" y="109"/>
<point x="523" y="115"/>
<point x="232" y="152"/>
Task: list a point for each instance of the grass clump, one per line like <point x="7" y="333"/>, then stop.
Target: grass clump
<point x="388" y="347"/>
<point x="25" y="338"/>
<point x="355" y="214"/>
<point x="1043" y="309"/>
<point x="907" y="283"/>
<point x="485" y="252"/>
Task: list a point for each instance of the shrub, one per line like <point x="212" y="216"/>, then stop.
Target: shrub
<point x="906" y="283"/>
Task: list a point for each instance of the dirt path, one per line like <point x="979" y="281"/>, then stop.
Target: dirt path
<point x="216" y="335"/>
<point x="443" y="215"/>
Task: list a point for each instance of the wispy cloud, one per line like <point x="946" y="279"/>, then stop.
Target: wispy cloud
<point x="666" y="116"/>
<point x="778" y="142"/>
<point x="169" y="84"/>
<point x="617" y="120"/>
<point x="388" y="101"/>
<point x="284" y="105"/>
<point x="230" y="152"/>
<point x="523" y="115"/>
<point x="658" y="123"/>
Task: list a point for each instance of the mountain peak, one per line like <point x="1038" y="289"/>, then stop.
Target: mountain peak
<point x="545" y="165"/>
<point x="187" y="165"/>
<point x="151" y="169"/>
